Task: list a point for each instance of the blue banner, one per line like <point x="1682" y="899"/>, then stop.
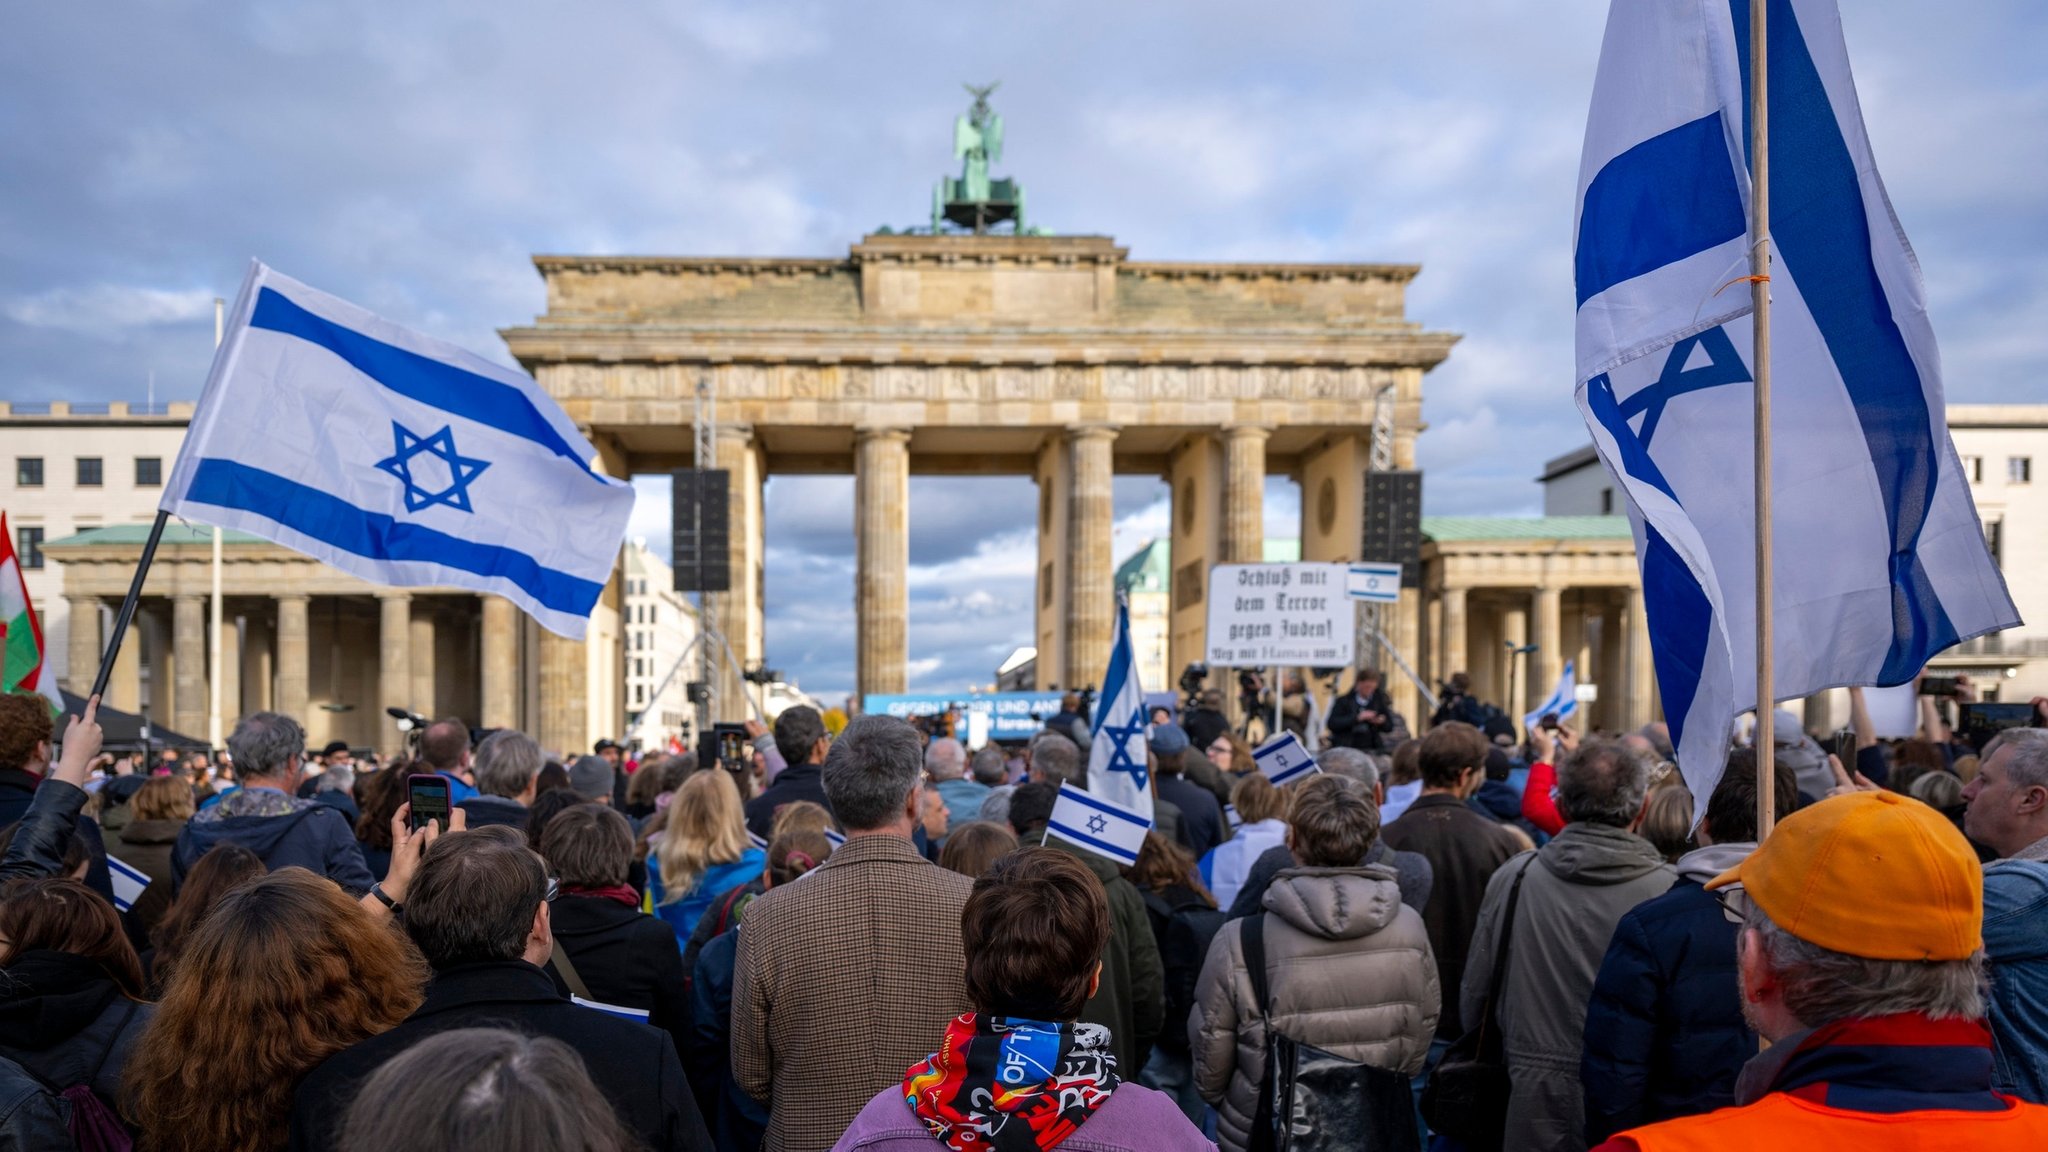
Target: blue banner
<point x="1013" y="716"/>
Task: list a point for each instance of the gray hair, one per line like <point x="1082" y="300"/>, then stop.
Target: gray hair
<point x="1822" y="986"/>
<point x="991" y="767"/>
<point x="263" y="743"/>
<point x="491" y="1085"/>
<point x="945" y="759"/>
<point x="1055" y="758"/>
<point x="873" y="767"/>
<point x="1351" y="764"/>
<point x="337" y="778"/>
<point x="995" y="807"/>
<point x="2028" y="764"/>
<point x="506" y="763"/>
<point x="1604" y="782"/>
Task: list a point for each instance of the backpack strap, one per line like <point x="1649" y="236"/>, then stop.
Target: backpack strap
<point x="1500" y="952"/>
<point x="559" y="961"/>
<point x="1252" y="939"/>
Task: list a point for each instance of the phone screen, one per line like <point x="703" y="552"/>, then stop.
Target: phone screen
<point x="428" y="794"/>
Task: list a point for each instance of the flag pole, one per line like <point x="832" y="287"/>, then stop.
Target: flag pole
<point x="1760" y="317"/>
<point x="213" y="708"/>
<point x="127" y="612"/>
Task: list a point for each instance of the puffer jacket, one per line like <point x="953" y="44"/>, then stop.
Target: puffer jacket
<point x="1350" y="971"/>
<point x="1664" y="1032"/>
<point x="1579" y="886"/>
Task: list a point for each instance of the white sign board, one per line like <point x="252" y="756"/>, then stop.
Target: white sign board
<point x="1374" y="583"/>
<point x="1586" y="693"/>
<point x="1262" y="615"/>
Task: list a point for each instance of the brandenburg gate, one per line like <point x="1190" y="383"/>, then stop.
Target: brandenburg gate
<point x="1052" y="356"/>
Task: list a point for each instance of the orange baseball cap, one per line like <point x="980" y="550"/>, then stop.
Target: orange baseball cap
<point x="1871" y="874"/>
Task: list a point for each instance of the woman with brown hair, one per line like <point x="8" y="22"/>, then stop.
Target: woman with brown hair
<point x="379" y="795"/>
<point x="285" y="972"/>
<point x="216" y="874"/>
<point x="159" y="810"/>
<point x="70" y="989"/>
<point x="1263" y="810"/>
<point x="973" y="846"/>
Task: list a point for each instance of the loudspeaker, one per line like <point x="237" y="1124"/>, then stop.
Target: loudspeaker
<point x="702" y="539"/>
<point x="1393" y="522"/>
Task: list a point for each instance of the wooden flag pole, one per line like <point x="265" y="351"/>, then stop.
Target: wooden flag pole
<point x="127" y="612"/>
<point x="1760" y="317"/>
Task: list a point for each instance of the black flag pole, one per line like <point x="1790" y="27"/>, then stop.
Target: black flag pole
<point x="127" y="612"/>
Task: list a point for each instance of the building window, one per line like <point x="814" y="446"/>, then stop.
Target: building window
<point x="652" y="613"/>
<point x="149" y="471"/>
<point x="2019" y="469"/>
<point x="1607" y="501"/>
<point x="28" y="471"/>
<point x="1973" y="467"/>
<point x="89" y="472"/>
<point x="1994" y="539"/>
<point x="28" y="547"/>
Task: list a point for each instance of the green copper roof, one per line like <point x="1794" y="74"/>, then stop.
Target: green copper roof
<point x="135" y="534"/>
<point x="1446" y="528"/>
<point x="1147" y="570"/>
<point x="1281" y="551"/>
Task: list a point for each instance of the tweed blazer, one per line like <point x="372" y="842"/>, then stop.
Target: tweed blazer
<point x="845" y="978"/>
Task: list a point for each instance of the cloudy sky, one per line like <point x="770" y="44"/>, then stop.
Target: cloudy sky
<point x="412" y="156"/>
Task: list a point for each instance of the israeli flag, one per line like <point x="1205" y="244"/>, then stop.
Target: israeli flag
<point x="397" y="458"/>
<point x="1116" y="755"/>
<point x="1881" y="561"/>
<point x="1563" y="702"/>
<point x="1089" y="821"/>
<point x="1284" y="759"/>
<point x="129" y="882"/>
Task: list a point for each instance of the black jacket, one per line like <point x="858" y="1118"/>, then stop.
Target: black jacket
<point x="1201" y="818"/>
<point x="18" y="788"/>
<point x="796" y="782"/>
<point x="1349" y="731"/>
<point x="635" y="1066"/>
<point x="64" y="1020"/>
<point x="485" y="811"/>
<point x="47" y="826"/>
<point x="628" y="958"/>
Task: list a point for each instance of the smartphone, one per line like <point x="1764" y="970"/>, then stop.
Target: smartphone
<point x="428" y="794"/>
<point x="1549" y="722"/>
<point x="1978" y="723"/>
<point x="735" y="751"/>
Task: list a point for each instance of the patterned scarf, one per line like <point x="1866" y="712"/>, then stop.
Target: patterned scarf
<point x="1000" y="1084"/>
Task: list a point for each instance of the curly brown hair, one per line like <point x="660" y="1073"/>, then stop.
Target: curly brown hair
<point x="284" y="973"/>
<point x="24" y="723"/>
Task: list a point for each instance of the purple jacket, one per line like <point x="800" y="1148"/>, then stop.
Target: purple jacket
<point x="1136" y="1119"/>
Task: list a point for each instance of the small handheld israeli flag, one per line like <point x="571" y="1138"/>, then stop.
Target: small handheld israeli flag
<point x="129" y="883"/>
<point x="1563" y="702"/>
<point x="396" y="458"/>
<point x="1098" y="825"/>
<point x="1284" y="760"/>
<point x="757" y="840"/>
<point x="1117" y="767"/>
<point x="835" y="838"/>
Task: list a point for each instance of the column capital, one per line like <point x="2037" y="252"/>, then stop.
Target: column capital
<point x="1081" y="432"/>
<point x="400" y="594"/>
<point x="744" y="433"/>
<point x="866" y="432"/>
<point x="1247" y="431"/>
<point x="292" y="597"/>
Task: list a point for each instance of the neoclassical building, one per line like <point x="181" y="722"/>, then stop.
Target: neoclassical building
<point x="1055" y="357"/>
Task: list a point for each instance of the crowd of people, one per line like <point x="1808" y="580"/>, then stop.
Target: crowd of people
<point x="867" y="940"/>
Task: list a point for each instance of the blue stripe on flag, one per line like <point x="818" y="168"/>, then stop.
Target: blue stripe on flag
<point x="480" y="399"/>
<point x="1822" y="234"/>
<point x="1107" y="809"/>
<point x="1670" y="197"/>
<point x="1118" y="672"/>
<point x="1103" y="846"/>
<point x="376" y="536"/>
<point x="1289" y="776"/>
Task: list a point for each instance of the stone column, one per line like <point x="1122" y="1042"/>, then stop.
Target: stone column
<point x="1244" y="493"/>
<point x="84" y="645"/>
<point x="502" y="674"/>
<point x="1091" y="566"/>
<point x="230" y="671"/>
<point x="188" y="652"/>
<point x="421" y="628"/>
<point x="258" y="665"/>
<point x="881" y="512"/>
<point x="294" y="671"/>
<point x="394" y="667"/>
<point x="736" y="613"/>
<point x="1452" y="656"/>
<point x="1641" y="673"/>
<point x="1515" y="669"/>
<point x="1549" y="641"/>
<point x="124" y="687"/>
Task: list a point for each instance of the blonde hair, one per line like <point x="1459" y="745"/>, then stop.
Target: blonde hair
<point x="800" y="815"/>
<point x="706" y="826"/>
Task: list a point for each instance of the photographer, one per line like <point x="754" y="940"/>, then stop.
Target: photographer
<point x="1363" y="716"/>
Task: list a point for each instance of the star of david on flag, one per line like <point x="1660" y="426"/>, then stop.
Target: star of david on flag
<point x="1881" y="560"/>
<point x="1116" y="756"/>
<point x="396" y="458"/>
<point x="1088" y="821"/>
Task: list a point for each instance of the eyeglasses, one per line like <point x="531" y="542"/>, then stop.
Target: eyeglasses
<point x="554" y="890"/>
<point x="1734" y="904"/>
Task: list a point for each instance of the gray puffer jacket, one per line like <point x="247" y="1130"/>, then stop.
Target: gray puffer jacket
<point x="1579" y="887"/>
<point x="1350" y="971"/>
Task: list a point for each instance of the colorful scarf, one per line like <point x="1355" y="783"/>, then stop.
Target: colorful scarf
<point x="1001" y="1084"/>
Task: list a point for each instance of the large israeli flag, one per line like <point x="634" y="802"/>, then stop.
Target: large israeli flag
<point x="396" y="457"/>
<point x="1116" y="754"/>
<point x="1880" y="557"/>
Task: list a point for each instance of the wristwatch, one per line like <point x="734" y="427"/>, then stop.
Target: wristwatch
<point x="378" y="891"/>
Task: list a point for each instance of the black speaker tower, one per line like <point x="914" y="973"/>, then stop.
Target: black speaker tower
<point x="1393" y="522"/>
<point x="702" y="536"/>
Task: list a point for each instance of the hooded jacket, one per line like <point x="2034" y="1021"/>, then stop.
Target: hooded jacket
<point x="1350" y="971"/>
<point x="1411" y="871"/>
<point x="1579" y="886"/>
<point x="1664" y="1033"/>
<point x="628" y="958"/>
<point x="64" y="1020"/>
<point x="282" y="831"/>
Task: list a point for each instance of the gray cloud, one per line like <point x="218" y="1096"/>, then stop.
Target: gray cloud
<point x="412" y="158"/>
